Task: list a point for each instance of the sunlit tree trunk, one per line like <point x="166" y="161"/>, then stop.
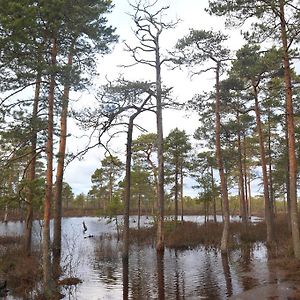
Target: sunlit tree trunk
<point x="60" y="173"/>
<point x="291" y="135"/>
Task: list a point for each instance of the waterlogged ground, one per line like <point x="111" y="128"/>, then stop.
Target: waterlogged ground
<point x="189" y="274"/>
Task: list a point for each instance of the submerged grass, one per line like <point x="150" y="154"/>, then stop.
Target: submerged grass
<point x="189" y="235"/>
<point x="22" y="273"/>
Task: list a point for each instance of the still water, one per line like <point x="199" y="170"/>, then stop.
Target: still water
<point x="190" y="274"/>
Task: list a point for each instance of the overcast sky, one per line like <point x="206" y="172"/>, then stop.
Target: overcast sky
<point x="192" y="15"/>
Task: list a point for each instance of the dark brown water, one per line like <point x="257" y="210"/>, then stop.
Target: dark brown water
<point x="190" y="274"/>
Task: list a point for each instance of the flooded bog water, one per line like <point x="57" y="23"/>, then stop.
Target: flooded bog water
<point x="189" y="274"/>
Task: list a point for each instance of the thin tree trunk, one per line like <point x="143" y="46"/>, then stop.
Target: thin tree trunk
<point x="60" y="173"/>
<point x="224" y="190"/>
<point x="139" y="211"/>
<point x="243" y="211"/>
<point x="160" y="151"/>
<point x="127" y="190"/>
<point x="176" y="192"/>
<point x="128" y="179"/>
<point x="245" y="177"/>
<point x="291" y="135"/>
<point x="287" y="179"/>
<point x="268" y="211"/>
<point x="181" y="192"/>
<point x="272" y="200"/>
<point x="5" y="220"/>
<point x="249" y="193"/>
<point x="32" y="166"/>
<point x="213" y="193"/>
<point x="110" y="187"/>
<point x="47" y="279"/>
<point x="155" y="175"/>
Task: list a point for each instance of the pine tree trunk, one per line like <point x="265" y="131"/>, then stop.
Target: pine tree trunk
<point x="181" y="192"/>
<point x="155" y="175"/>
<point x="272" y="200"/>
<point x="249" y="193"/>
<point x="291" y="135"/>
<point x="127" y="190"/>
<point x="139" y="211"/>
<point x="128" y="181"/>
<point x="243" y="211"/>
<point x="224" y="191"/>
<point x="160" y="152"/>
<point x="287" y="179"/>
<point x="60" y="173"/>
<point x="213" y="193"/>
<point x="47" y="278"/>
<point x="176" y="192"/>
<point x="247" y="198"/>
<point x="268" y="211"/>
<point x="31" y="167"/>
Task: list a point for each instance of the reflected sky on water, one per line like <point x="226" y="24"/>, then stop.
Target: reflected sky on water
<point x="200" y="273"/>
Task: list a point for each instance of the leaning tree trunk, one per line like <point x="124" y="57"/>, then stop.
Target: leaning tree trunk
<point x="291" y="135"/>
<point x="268" y="211"/>
<point x="60" y="173"/>
<point x="31" y="167"/>
<point x="47" y="279"/>
<point x="128" y="180"/>
<point x="224" y="191"/>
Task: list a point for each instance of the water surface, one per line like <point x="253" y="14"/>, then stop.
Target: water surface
<point x="190" y="274"/>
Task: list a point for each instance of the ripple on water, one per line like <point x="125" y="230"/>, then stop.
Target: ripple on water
<point x="189" y="274"/>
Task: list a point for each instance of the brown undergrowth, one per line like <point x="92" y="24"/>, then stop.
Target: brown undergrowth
<point x="22" y="273"/>
<point x="189" y="235"/>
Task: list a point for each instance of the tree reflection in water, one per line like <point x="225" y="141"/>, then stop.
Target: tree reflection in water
<point x="160" y="275"/>
<point x="184" y="274"/>
<point x="188" y="274"/>
<point x="125" y="278"/>
<point x="227" y="274"/>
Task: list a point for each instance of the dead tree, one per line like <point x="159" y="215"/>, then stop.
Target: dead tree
<point x="149" y="26"/>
